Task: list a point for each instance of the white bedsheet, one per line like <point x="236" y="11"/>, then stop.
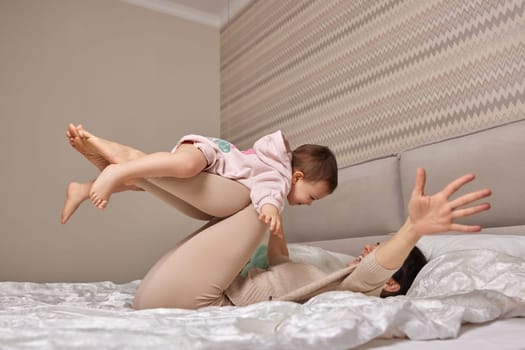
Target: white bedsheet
<point x="467" y="286"/>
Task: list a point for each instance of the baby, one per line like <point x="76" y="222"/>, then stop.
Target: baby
<point x="270" y="170"/>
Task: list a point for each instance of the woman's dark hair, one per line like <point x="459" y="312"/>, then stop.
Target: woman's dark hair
<point x="407" y="272"/>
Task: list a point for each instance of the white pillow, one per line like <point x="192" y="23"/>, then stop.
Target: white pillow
<point x="325" y="260"/>
<point x="433" y="246"/>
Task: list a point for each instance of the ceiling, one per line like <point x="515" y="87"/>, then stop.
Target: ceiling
<point x="207" y="6"/>
<point x="210" y="12"/>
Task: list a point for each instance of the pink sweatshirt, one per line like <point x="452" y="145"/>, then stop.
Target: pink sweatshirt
<point x="266" y="169"/>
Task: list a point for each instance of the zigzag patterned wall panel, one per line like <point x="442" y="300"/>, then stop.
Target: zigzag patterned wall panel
<point x="371" y="78"/>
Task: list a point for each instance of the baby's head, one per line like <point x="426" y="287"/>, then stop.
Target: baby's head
<point x="314" y="174"/>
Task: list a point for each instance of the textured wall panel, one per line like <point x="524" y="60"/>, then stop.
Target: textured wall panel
<point x="371" y="78"/>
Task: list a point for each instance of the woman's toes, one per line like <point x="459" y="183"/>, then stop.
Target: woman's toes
<point x="81" y="132"/>
<point x="72" y="130"/>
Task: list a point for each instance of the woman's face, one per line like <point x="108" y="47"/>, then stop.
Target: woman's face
<point x="367" y="249"/>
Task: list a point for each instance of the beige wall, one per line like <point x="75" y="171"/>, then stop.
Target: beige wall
<point x="129" y="74"/>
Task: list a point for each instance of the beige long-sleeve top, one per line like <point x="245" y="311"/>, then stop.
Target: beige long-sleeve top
<point x="299" y="282"/>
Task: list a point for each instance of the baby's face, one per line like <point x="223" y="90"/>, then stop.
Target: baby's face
<point x="305" y="192"/>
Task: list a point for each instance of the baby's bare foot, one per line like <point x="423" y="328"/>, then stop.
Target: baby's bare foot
<point x="105" y="184"/>
<point x="78" y="141"/>
<point x="76" y="193"/>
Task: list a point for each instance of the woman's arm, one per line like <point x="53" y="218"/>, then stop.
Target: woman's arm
<point x="277" y="250"/>
<point x="429" y="215"/>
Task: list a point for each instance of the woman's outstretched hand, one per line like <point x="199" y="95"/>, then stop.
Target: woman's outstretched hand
<point x="435" y="213"/>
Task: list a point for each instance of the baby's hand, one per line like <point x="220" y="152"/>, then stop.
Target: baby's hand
<point x="271" y="217"/>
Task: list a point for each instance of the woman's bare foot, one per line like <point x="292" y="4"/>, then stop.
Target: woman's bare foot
<point x="109" y="179"/>
<point x="76" y="193"/>
<point x="114" y="153"/>
<point x="85" y="148"/>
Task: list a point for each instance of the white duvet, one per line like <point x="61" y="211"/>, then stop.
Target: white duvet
<point x="454" y="288"/>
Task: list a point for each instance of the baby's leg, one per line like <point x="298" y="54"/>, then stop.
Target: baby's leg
<point x="197" y="272"/>
<point x="187" y="161"/>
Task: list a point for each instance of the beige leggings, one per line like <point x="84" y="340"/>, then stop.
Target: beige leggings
<point x="197" y="271"/>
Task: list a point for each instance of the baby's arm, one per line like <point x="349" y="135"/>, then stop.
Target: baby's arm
<point x="268" y="194"/>
<point x="270" y="216"/>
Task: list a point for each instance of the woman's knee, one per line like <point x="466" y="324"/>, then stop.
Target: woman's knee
<point x="196" y="273"/>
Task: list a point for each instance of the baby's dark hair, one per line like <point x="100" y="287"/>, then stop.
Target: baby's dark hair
<point x="317" y="163"/>
<point x="407" y="272"/>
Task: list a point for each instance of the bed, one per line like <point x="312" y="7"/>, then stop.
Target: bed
<point x="471" y="292"/>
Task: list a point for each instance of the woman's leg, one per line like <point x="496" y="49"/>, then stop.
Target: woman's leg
<point x="102" y="153"/>
<point x="209" y="193"/>
<point x="76" y="141"/>
<point x="77" y="193"/>
<point x="172" y="200"/>
<point x="196" y="273"/>
<point x="190" y="196"/>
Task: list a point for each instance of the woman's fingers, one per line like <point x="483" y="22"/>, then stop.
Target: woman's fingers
<point x="455" y="185"/>
<point x="465" y="228"/>
<point x="277" y="228"/>
<point x="460" y="213"/>
<point x="279" y="233"/>
<point x="419" y="185"/>
<point x="470" y="197"/>
<point x="271" y="224"/>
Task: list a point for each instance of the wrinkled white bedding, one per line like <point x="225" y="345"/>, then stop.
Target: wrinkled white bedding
<point x="454" y="288"/>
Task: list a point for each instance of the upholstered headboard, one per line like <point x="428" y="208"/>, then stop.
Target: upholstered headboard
<point x="371" y="197"/>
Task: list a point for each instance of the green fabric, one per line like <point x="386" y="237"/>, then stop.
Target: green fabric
<point x="259" y="260"/>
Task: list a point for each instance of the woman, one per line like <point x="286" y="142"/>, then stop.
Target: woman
<point x="203" y="270"/>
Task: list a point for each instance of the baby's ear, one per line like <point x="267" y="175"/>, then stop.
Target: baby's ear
<point x="297" y="175"/>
